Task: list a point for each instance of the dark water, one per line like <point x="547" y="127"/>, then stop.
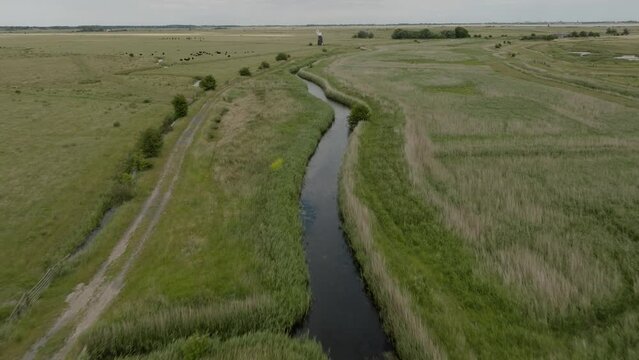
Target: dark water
<point x="342" y="316"/>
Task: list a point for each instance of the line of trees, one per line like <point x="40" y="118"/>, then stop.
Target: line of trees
<point x="576" y="34"/>
<point x="458" y="33"/>
<point x="615" y="32"/>
<point x="540" y="37"/>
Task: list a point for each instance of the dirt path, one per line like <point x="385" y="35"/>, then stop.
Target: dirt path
<point x="88" y="302"/>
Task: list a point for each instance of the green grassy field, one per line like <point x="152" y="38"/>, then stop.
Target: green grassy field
<point x="501" y="197"/>
<point x="491" y="200"/>
<point x="62" y="94"/>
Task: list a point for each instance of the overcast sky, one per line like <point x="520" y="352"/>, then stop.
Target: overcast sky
<point x="264" y="12"/>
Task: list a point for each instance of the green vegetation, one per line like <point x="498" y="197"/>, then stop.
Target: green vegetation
<point x="282" y="56"/>
<point x="363" y="34"/>
<point x="489" y="198"/>
<point x="457" y="33"/>
<point x="235" y="215"/>
<point x="74" y="107"/>
<point x="268" y="346"/>
<point x="150" y="142"/>
<point x="583" y="34"/>
<point x="487" y="202"/>
<point x="264" y="65"/>
<point x="615" y="32"/>
<point x="208" y="83"/>
<point x="245" y="71"/>
<point x="180" y="106"/>
<point x="534" y="37"/>
<point x="358" y="113"/>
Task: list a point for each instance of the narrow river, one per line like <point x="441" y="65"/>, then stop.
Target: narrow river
<point x="342" y="316"/>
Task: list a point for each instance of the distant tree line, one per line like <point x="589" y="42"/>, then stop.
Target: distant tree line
<point x="615" y="32"/>
<point x="540" y="37"/>
<point x="575" y="34"/>
<point x="458" y="33"/>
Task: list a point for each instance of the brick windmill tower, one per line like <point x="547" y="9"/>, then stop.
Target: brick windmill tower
<point x="320" y="38"/>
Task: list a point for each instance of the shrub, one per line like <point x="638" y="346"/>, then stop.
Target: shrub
<point x="498" y="46"/>
<point x="358" y="113"/>
<point x="135" y="162"/>
<point x="150" y="142"/>
<point x="612" y="31"/>
<point x="264" y="65"/>
<point x="180" y="106"/>
<point x="310" y="44"/>
<point x="282" y="57"/>
<point x="116" y="124"/>
<point x="122" y="190"/>
<point x="363" y="34"/>
<point x="625" y="32"/>
<point x="166" y="127"/>
<point x="208" y="83"/>
<point x="245" y="71"/>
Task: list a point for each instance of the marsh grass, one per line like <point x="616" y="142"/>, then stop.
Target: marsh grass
<point x="502" y="212"/>
<point x="269" y="346"/>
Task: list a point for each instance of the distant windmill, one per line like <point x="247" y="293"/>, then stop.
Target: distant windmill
<point x="320" y="38"/>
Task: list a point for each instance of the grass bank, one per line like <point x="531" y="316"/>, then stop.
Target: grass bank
<point x="226" y="259"/>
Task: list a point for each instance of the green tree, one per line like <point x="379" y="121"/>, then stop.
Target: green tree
<point x="461" y="33"/>
<point x="150" y="142"/>
<point x="245" y="71"/>
<point x="180" y="106"/>
<point x="208" y="83"/>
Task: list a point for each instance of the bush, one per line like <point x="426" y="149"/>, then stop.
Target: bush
<point x="498" y="46"/>
<point x="208" y="83"/>
<point x="358" y="113"/>
<point x="166" y="123"/>
<point x="363" y="34"/>
<point x="150" y="142"/>
<point x="461" y="33"/>
<point x="134" y="162"/>
<point x="282" y="57"/>
<point x="180" y="106"/>
<point x="625" y="32"/>
<point x="264" y="65"/>
<point x="122" y="190"/>
<point x="245" y="71"/>
<point x="116" y="124"/>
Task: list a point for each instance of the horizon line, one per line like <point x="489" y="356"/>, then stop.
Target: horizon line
<point x="319" y="24"/>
